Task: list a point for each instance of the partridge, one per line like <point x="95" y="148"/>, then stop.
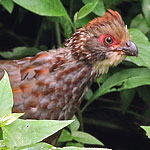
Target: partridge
<point x="52" y="84"/>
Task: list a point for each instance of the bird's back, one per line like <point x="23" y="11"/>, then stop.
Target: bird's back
<point x="49" y="85"/>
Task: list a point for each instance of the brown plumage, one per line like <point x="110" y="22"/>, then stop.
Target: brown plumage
<point x="52" y="84"/>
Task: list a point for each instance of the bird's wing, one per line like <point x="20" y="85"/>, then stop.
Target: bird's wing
<point x="47" y="86"/>
<point x="33" y="81"/>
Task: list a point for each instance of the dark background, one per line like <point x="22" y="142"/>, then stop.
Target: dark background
<point x="103" y="118"/>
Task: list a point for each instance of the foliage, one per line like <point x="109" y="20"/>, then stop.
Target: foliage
<point x="78" y="136"/>
<point x="130" y="80"/>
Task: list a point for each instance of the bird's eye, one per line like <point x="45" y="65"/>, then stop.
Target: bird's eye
<point x="108" y="40"/>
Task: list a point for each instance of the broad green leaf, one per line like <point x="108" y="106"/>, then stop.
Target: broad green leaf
<point x="147" y="129"/>
<point x="146" y="10"/>
<point x="45" y="146"/>
<point x="37" y="146"/>
<point x="86" y="9"/>
<point x="65" y="136"/>
<point x="75" y="125"/>
<point x="126" y="97"/>
<point x="9" y="118"/>
<point x="26" y="132"/>
<point x="99" y="9"/>
<point x="44" y="7"/>
<point x="8" y="5"/>
<point x="124" y="79"/>
<point x="143" y="46"/>
<point x="6" y="96"/>
<point x="85" y="138"/>
<point x="20" y="52"/>
<point x="139" y="22"/>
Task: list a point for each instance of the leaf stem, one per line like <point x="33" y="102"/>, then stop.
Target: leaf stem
<point x="81" y="120"/>
<point x="71" y="6"/>
<point x="86" y="105"/>
<point x="58" y="34"/>
<point x="36" y="43"/>
<point x="72" y="25"/>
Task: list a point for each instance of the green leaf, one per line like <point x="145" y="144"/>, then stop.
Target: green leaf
<point x="99" y="9"/>
<point x="45" y="146"/>
<point x="126" y="97"/>
<point x="8" y="5"/>
<point x="1" y="136"/>
<point x="9" y="118"/>
<point x="20" y="52"/>
<point x="75" y="125"/>
<point x="89" y="94"/>
<point x="143" y="46"/>
<point x="26" y="132"/>
<point x="146" y="10"/>
<point x="86" y="9"/>
<point x="147" y="129"/>
<point x="85" y="138"/>
<point x="75" y="144"/>
<point x="37" y="146"/>
<point x="6" y="96"/>
<point x="75" y="17"/>
<point x="3" y="146"/>
<point x="65" y="25"/>
<point x="65" y="136"/>
<point x="139" y="22"/>
<point x="124" y="79"/>
<point x="82" y="22"/>
<point x="44" y="7"/>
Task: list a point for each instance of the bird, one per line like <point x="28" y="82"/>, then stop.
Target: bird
<point x="51" y="85"/>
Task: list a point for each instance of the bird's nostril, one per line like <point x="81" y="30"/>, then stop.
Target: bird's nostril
<point x="128" y="43"/>
<point x="131" y="49"/>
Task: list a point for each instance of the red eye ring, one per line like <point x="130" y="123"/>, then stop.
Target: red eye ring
<point x="107" y="40"/>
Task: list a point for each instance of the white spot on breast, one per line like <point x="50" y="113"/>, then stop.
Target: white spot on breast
<point x="34" y="109"/>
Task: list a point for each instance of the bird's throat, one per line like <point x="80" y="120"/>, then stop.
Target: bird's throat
<point x="102" y="67"/>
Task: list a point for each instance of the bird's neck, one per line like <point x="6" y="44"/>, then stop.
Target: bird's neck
<point x="102" y="66"/>
<point x="75" y="77"/>
<point x="76" y="45"/>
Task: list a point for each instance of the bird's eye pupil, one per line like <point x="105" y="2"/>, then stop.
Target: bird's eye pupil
<point x="108" y="40"/>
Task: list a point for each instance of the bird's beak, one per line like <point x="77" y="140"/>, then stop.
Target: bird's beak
<point x="130" y="49"/>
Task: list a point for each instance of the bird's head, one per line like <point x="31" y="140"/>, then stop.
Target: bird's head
<point x="103" y="42"/>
